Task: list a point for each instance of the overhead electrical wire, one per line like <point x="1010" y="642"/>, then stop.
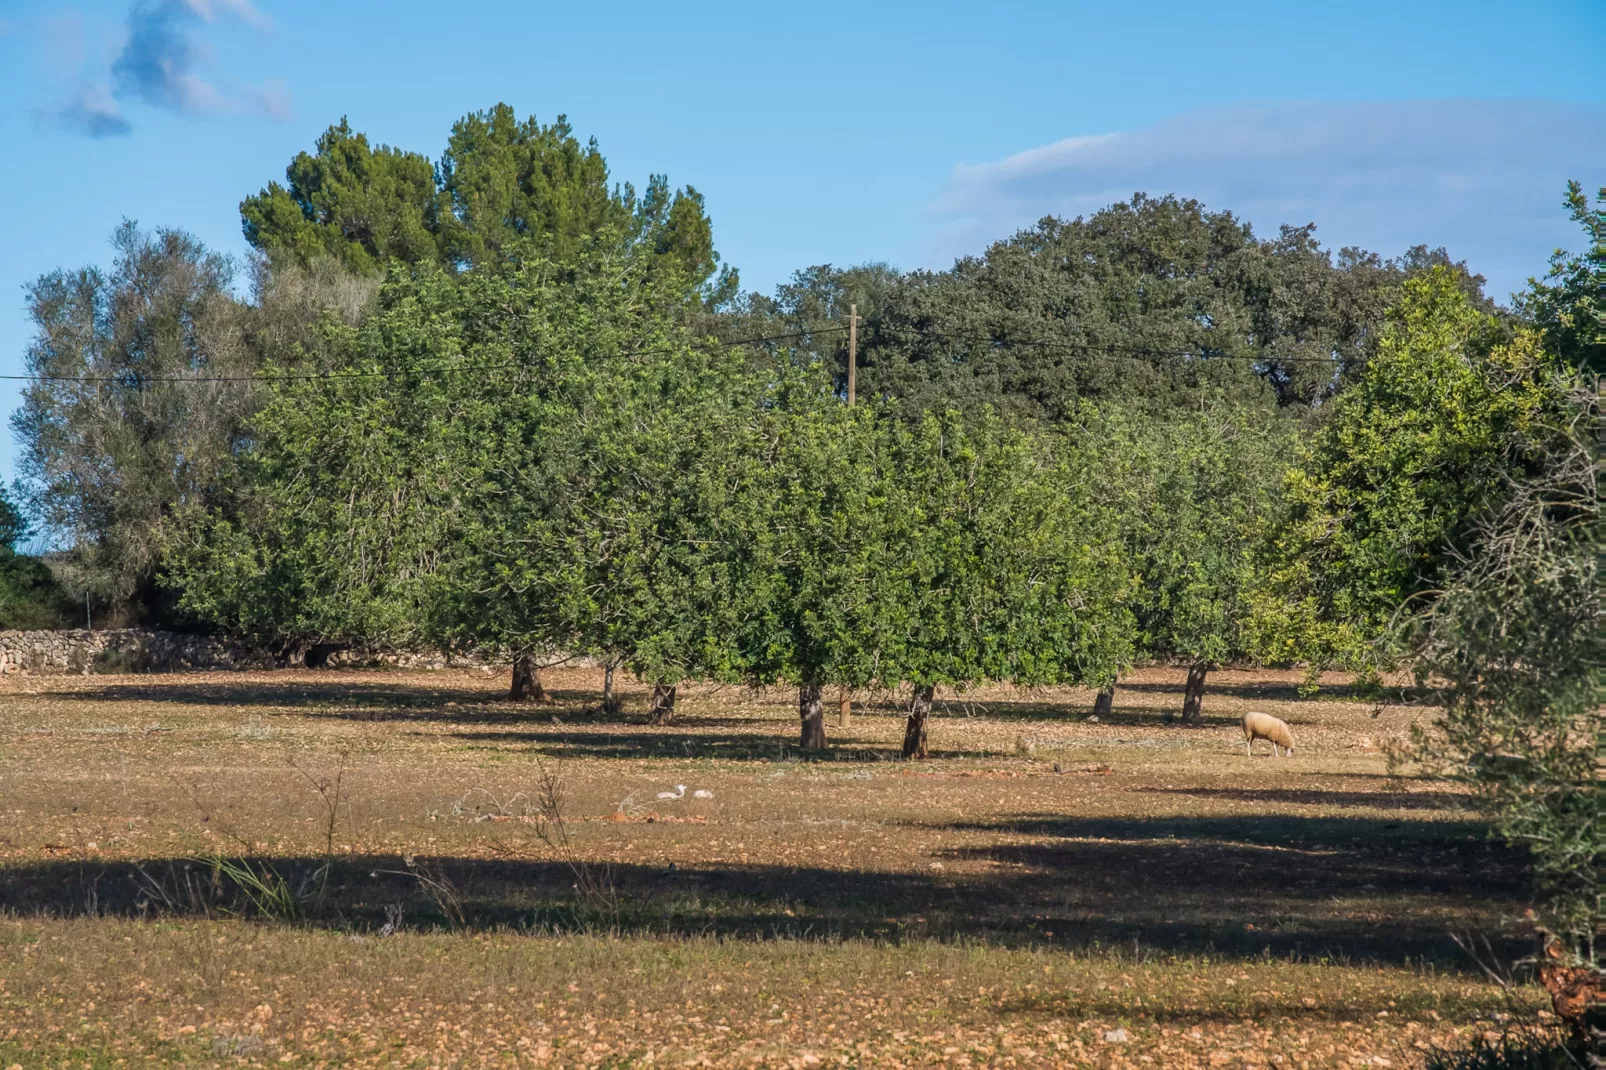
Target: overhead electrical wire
<point x="1106" y="349"/>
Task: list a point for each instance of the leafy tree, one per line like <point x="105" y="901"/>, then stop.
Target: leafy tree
<point x="653" y="526"/>
<point x="349" y="202"/>
<point x="504" y="189"/>
<point x="521" y="185"/>
<point x="1128" y="305"/>
<point x="449" y="480"/>
<point x="1566" y="306"/>
<point x="335" y="512"/>
<point x="126" y="419"/>
<point x="807" y="318"/>
<point x="1516" y="636"/>
<point x="674" y="228"/>
<point x="1382" y="497"/>
<point x="1003" y="570"/>
<point x="1188" y="497"/>
<point x="30" y="598"/>
<point x="819" y="573"/>
<point x="594" y="484"/>
<point x="1511" y="624"/>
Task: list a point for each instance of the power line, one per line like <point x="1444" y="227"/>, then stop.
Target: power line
<point x="314" y="376"/>
<point x="1106" y="349"/>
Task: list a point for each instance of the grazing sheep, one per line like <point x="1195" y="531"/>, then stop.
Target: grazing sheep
<point x="1265" y="726"/>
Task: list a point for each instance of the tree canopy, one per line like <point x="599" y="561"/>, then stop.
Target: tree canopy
<point x="1381" y="499"/>
<point x="504" y="189"/>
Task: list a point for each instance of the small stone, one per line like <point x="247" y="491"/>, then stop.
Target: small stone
<point x="1116" y="1036"/>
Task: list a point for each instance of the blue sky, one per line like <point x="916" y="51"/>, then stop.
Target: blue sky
<point x="827" y="132"/>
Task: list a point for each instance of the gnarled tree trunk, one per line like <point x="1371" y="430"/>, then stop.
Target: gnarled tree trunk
<point x="1105" y="702"/>
<point x="914" y="732"/>
<point x="844" y="709"/>
<point x="526" y="680"/>
<point x="610" y="701"/>
<point x="811" y="710"/>
<point x="662" y="710"/>
<point x="1193" y="696"/>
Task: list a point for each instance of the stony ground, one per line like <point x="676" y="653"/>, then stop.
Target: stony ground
<point x="363" y="868"/>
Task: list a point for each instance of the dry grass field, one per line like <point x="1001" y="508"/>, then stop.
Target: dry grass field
<point x="359" y="868"/>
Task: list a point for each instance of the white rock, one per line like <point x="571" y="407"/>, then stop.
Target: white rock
<point x="702" y="793"/>
<point x="1116" y="1036"/>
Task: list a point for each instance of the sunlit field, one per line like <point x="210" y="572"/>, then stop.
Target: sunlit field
<point x="343" y="867"/>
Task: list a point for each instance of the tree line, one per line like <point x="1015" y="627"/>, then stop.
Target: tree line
<point x="498" y="400"/>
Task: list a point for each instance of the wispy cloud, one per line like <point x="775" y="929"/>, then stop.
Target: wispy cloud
<point x="92" y="111"/>
<point x="158" y="64"/>
<point x="161" y="64"/>
<point x="1482" y="177"/>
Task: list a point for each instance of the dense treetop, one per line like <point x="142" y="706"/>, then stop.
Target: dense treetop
<point x="504" y="189"/>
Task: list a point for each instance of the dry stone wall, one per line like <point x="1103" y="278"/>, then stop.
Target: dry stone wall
<point x="132" y="650"/>
<point x="79" y="651"/>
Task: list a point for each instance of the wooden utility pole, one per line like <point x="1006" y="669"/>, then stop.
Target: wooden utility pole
<point x="845" y="707"/>
<point x="853" y="352"/>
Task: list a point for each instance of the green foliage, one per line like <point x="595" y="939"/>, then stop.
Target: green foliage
<point x="1383" y="496"/>
<point x="1516" y="636"/>
<point x="505" y="189"/>
<point x="331" y="520"/>
<point x="14" y="526"/>
<point x="521" y="185"/>
<point x="114" y="436"/>
<point x="30" y="597"/>
<point x="1122" y="305"/>
<point x="809" y="314"/>
<point x="1566" y="306"/>
<point x="591" y="479"/>
<point x="1187" y="498"/>
<point x="349" y="202"/>
<point x="817" y="575"/>
<point x="1004" y="567"/>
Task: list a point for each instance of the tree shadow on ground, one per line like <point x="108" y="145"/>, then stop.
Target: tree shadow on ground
<point x="1336" y="888"/>
<point x="1049" y="712"/>
<point x="305" y="691"/>
<point x="1379" y="800"/>
<point x="1285" y="691"/>
<point x="355" y="700"/>
<point x="635" y="741"/>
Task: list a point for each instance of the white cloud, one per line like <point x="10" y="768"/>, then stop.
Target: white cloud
<point x="240" y="9"/>
<point x="160" y="61"/>
<point x="93" y="112"/>
<point x="1483" y="178"/>
<point x="272" y="101"/>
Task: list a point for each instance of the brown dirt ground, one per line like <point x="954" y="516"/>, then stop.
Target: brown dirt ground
<point x="1038" y="884"/>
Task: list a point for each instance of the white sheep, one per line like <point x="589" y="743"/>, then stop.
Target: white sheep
<point x="1265" y="726"/>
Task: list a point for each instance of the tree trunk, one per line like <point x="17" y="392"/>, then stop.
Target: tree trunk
<point x="914" y="732"/>
<point x="811" y="710"/>
<point x="844" y="709"/>
<point x="1193" y="696"/>
<point x="1105" y="702"/>
<point x="610" y="701"/>
<point x="526" y="680"/>
<point x="662" y="710"/>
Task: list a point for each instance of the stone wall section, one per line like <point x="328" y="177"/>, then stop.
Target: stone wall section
<point x="134" y="650"/>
